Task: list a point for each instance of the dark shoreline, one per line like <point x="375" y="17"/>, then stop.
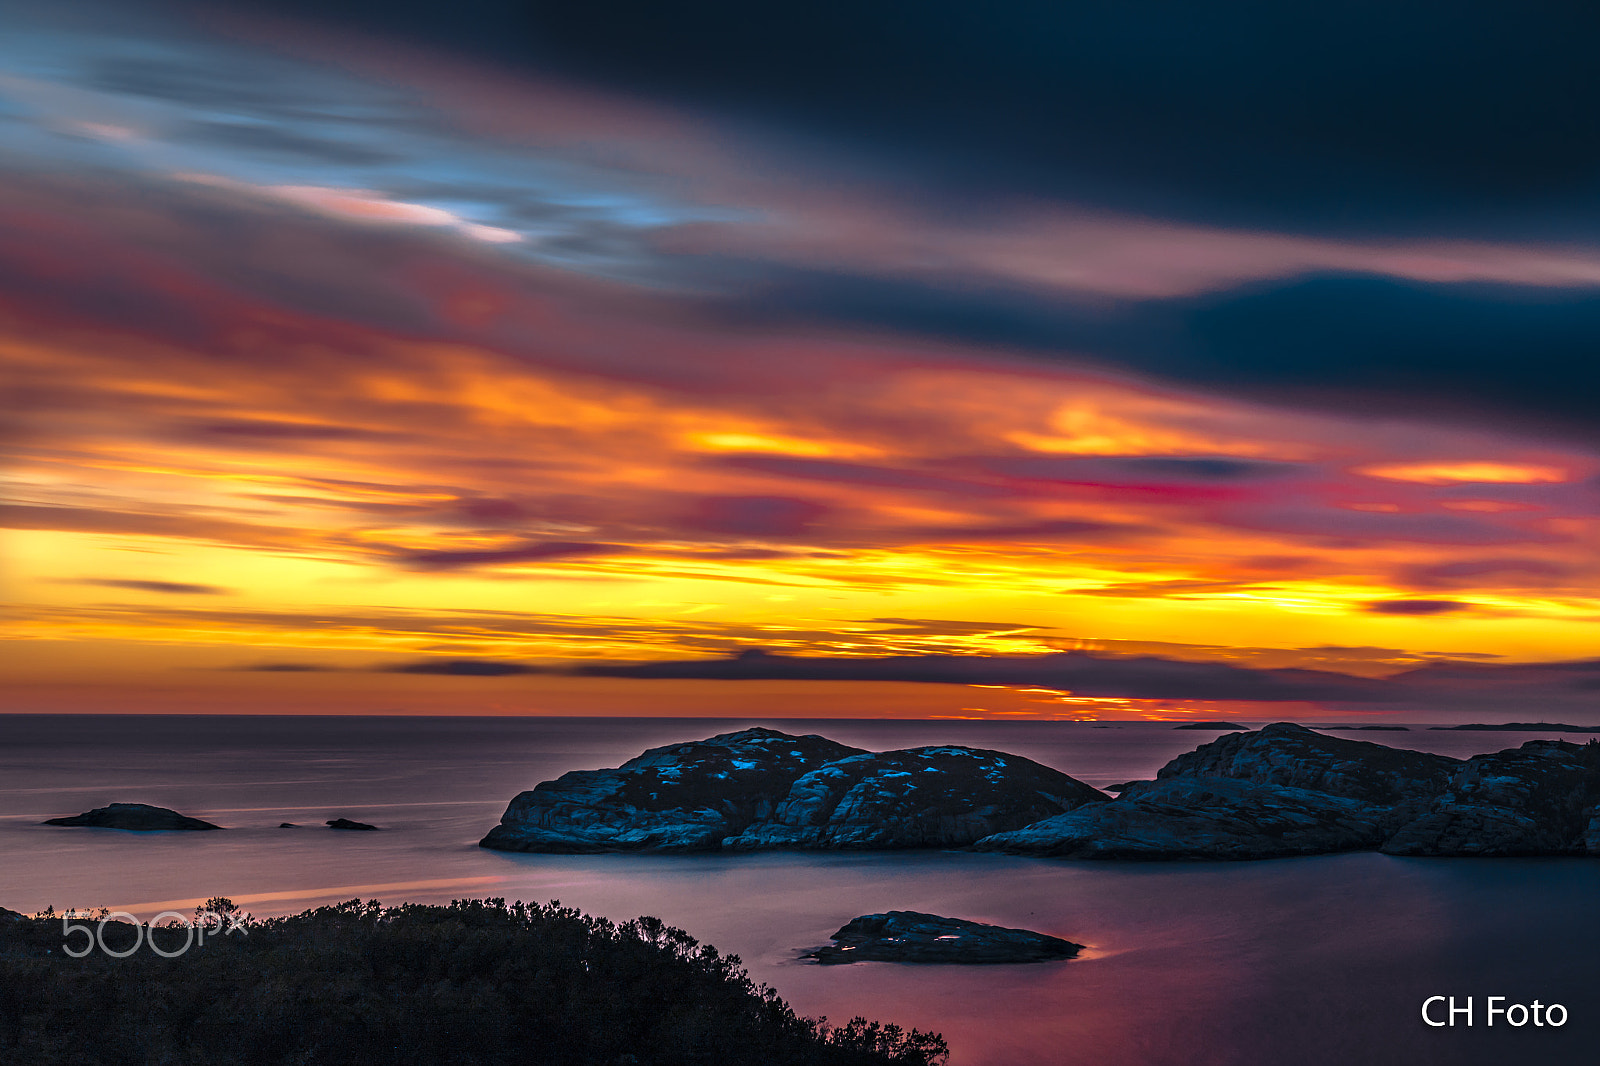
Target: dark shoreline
<point x="477" y="982"/>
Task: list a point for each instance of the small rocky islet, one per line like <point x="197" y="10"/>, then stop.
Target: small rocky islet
<point x="138" y="817"/>
<point x="147" y="818"/>
<point x="913" y="936"/>
<point x="346" y="823"/>
<point x="1279" y="791"/>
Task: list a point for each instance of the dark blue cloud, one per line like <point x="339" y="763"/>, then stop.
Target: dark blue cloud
<point x="1514" y="356"/>
<point x="1330" y="115"/>
<point x="1368" y="118"/>
<point x="1143" y="469"/>
<point x="1390" y="347"/>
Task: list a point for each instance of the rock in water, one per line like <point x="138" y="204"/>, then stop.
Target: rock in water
<point x="1538" y="799"/>
<point x="1292" y="755"/>
<point x="140" y="817"/>
<point x="1285" y="790"/>
<point x="933" y="797"/>
<point x="911" y="936"/>
<point x="1590" y="841"/>
<point x="342" y="823"/>
<point x="1210" y="725"/>
<point x="679" y="797"/>
<point x="1205" y="818"/>
<point x="760" y="788"/>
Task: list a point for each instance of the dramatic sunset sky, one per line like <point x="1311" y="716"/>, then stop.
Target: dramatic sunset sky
<point x="1099" y="360"/>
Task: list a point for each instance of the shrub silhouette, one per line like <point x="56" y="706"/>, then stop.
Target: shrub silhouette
<point x="478" y="983"/>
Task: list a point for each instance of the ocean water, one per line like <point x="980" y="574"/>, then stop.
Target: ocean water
<point x="1301" y="962"/>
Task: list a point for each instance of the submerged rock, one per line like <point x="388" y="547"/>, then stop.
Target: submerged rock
<point x="139" y="817"/>
<point x="760" y="788"/>
<point x="912" y="936"/>
<point x="1201" y="818"/>
<point x="342" y="823"/>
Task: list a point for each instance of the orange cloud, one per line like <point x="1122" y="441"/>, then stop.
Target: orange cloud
<point x="1481" y="471"/>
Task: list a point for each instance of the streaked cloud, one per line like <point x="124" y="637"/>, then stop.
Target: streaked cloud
<point x="1487" y="472"/>
<point x="467" y="371"/>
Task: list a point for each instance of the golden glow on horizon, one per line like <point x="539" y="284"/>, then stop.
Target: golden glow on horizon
<point x="362" y="500"/>
<point x="1493" y="473"/>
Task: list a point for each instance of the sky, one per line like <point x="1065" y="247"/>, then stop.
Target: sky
<point x="1127" y="360"/>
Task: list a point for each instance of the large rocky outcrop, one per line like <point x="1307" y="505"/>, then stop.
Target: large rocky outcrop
<point x="1278" y="791"/>
<point x="1287" y="754"/>
<point x="918" y="798"/>
<point x="1201" y="818"/>
<point x="1590" y="841"/>
<point x="760" y="788"/>
<point x="141" y="817"/>
<point x="1538" y="799"/>
<point x="1286" y="790"/>
<point x="683" y="797"/>
<point x="912" y="936"/>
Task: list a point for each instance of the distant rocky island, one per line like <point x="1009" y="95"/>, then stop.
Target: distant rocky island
<point x="346" y="823"/>
<point x="140" y="817"/>
<point x="912" y="936"/>
<point x="1526" y="727"/>
<point x="1210" y="725"/>
<point x="1278" y="791"/>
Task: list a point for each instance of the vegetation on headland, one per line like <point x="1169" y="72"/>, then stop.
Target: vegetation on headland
<point x="476" y="983"/>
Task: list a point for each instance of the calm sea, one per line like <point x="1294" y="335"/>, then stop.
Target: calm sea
<point x="1284" y="963"/>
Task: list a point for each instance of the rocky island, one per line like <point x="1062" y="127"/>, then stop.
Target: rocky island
<point x="760" y="788"/>
<point x="139" y="817"/>
<point x="1282" y="790"/>
<point x="1520" y="727"/>
<point x="912" y="936"/>
<point x="1285" y="790"/>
